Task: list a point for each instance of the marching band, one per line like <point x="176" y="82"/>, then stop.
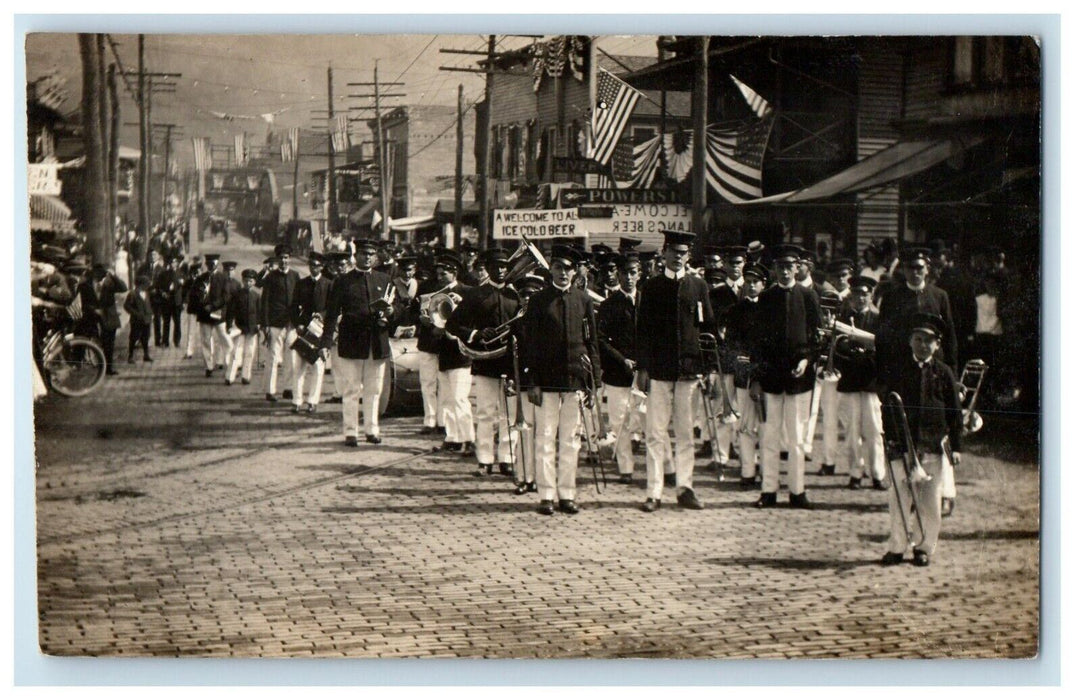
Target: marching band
<point x="598" y="349"/>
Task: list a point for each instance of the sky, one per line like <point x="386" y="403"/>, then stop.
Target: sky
<point x="251" y="75"/>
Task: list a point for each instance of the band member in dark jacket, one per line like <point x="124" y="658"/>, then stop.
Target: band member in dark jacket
<point x="739" y="335"/>
<point x="563" y="364"/>
<point x="242" y="313"/>
<point x="168" y="287"/>
<point x="364" y="299"/>
<point x="278" y="284"/>
<point x="192" y="301"/>
<point x="309" y="300"/>
<point x="211" y="294"/>
<point x="100" y="316"/>
<point x="140" y="315"/>
<point x="526" y="455"/>
<point x="784" y="349"/>
<point x="861" y="408"/>
<point x="428" y="340"/>
<point x="483" y="314"/>
<point x="674" y="309"/>
<point x="928" y="389"/>
<point x="616" y="345"/>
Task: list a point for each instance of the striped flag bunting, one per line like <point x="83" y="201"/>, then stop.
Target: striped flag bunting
<point x="340" y="134"/>
<point x="616" y="101"/>
<point x="238" y="149"/>
<point x="757" y="102"/>
<point x="734" y="159"/>
<point x="204" y="161"/>
<point x="285" y="152"/>
<point x="646" y="158"/>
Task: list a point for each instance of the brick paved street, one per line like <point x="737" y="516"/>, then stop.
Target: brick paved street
<point x="179" y="516"/>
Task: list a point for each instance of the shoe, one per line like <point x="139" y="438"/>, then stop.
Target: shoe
<point x="272" y="398"/>
<point x="311" y="408"/>
<point x="799" y="500"/>
<point x="521" y="488"/>
<point x="246" y="382"/>
<point x="878" y="485"/>
<point x="296" y="408"/>
<point x="687" y="499"/>
<point x="625" y="479"/>
<point x="546" y="508"/>
<point x="946" y="507"/>
<point x="427" y="430"/>
<point x="229" y="382"/>
<point x="208" y="373"/>
<point x="854" y="484"/>
<point x="131" y="361"/>
<point x="287" y="394"/>
<point x="704" y="450"/>
<point x="351" y="441"/>
<point x="489" y="469"/>
<point x="506" y="469"/>
<point x="826" y="470"/>
<point x="670" y="480"/>
<point x="223" y="367"/>
<point x="188" y="356"/>
<point x="148" y="358"/>
<point x="568" y="506"/>
<point x="452" y="447"/>
<point x="468" y="449"/>
<point x="747" y="483"/>
<point x="921" y="558"/>
<point x="783" y="455"/>
<point x="651" y="505"/>
<point x="335" y="399"/>
<point x="483" y="470"/>
<point x="892" y="559"/>
<point x="373" y="439"/>
<point x="531" y="486"/>
<point x="767" y="500"/>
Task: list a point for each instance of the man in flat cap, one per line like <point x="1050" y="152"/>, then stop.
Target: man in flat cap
<point x="278" y="284"/>
<point x="309" y="302"/>
<point x="673" y="311"/>
<point x="361" y="307"/>
<point x="784" y="348"/>
<point x="562" y="362"/>
<point x="928" y="390"/>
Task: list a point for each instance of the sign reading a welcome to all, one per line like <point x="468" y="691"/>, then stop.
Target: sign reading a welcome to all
<point x="536" y="224"/>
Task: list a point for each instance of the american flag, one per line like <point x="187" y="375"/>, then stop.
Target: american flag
<point x="340" y="134"/>
<point x="757" y="102"/>
<point x="616" y="101"/>
<point x="646" y="157"/>
<point x="734" y="159"/>
<point x="203" y="159"/>
<point x="238" y="149"/>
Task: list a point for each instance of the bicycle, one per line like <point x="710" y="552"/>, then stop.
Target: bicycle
<point x="72" y="365"/>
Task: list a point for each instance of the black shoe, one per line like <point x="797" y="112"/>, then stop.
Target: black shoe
<point x="131" y="361"/>
<point x="826" y="470"/>
<point x="799" y="500"/>
<point x="148" y="358"/>
<point x="506" y="469"/>
<point x="892" y="559"/>
<point x="687" y="499"/>
<point x="373" y="439"/>
<point x="747" y="483"/>
<point x="270" y="397"/>
<point x="245" y="382"/>
<point x="651" y="505"/>
<point x="878" y="485"/>
<point x="921" y="558"/>
<point x="296" y="408"/>
<point x="335" y="399"/>
<point x="704" y="450"/>
<point x="208" y="373"/>
<point x="483" y="470"/>
<point x="946" y="507"/>
<point x="311" y="408"/>
<point x="287" y="394"/>
<point x="783" y="455"/>
<point x="767" y="500"/>
<point x="452" y="447"/>
<point x="223" y="367"/>
<point x="427" y="429"/>
<point x="531" y="486"/>
<point x="351" y="441"/>
<point x="625" y="479"/>
<point x="521" y="488"/>
<point x="854" y="484"/>
<point x="489" y="468"/>
<point x="546" y="508"/>
<point x="468" y="449"/>
<point x="670" y="479"/>
<point x="568" y="506"/>
<point x="228" y="382"/>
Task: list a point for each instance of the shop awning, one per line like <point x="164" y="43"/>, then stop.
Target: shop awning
<point x="412" y="223"/>
<point x="445" y="211"/>
<point x="49" y="213"/>
<point x="363" y="216"/>
<point x="889" y="165"/>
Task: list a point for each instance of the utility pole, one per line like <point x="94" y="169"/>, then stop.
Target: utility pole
<point x="332" y="191"/>
<point x="458" y="170"/>
<point x="698" y="156"/>
<point x="144" y="155"/>
<point x="165" y="171"/>
<point x="296" y="151"/>
<point x="113" y="163"/>
<point x="486" y="127"/>
<point x="381" y="158"/>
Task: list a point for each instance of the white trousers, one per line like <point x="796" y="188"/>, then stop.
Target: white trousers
<point x="864" y="434"/>
<point x="360" y="378"/>
<point x="280" y="340"/>
<point x="949" y="489"/>
<point x="332" y="362"/>
<point x="929" y="494"/>
<point x="453" y="410"/>
<point x="190" y="323"/>
<point x="667" y="400"/>
<point x="830" y="403"/>
<point x="786" y="417"/>
<point x="303" y="371"/>
<point x="748" y="432"/>
<point x="490" y="412"/>
<point x="244" y="349"/>
<point x="428" y="367"/>
<point x="618" y="407"/>
<point x="217" y="345"/>
<point x="558" y="421"/>
<point x="525" y="451"/>
<point x="726" y="431"/>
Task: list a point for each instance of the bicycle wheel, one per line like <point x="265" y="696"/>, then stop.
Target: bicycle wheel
<point x="76" y="367"/>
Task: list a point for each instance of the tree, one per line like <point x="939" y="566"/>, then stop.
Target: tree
<point x="93" y="108"/>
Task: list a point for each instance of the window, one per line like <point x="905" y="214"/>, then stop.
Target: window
<point x="641" y="134"/>
<point x="995" y="60"/>
<point x="496" y="166"/>
<point x="514" y="145"/>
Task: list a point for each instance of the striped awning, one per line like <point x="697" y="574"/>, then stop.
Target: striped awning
<point x="48" y="212"/>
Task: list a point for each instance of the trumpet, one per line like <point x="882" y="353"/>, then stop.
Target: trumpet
<point x="970" y="383"/>
<point x="900" y="446"/>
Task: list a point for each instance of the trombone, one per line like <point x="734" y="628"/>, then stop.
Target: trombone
<point x="970" y="384"/>
<point x="708" y="350"/>
<point x="900" y="446"/>
<point x="590" y="410"/>
<point x="520" y="426"/>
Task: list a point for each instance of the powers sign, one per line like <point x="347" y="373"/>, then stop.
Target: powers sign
<point x="536" y="224"/>
<point x="631" y="219"/>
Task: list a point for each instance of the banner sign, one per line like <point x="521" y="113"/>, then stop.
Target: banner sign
<point x="42" y="179"/>
<point x="632" y="219"/>
<point x="578" y="166"/>
<point x="536" y="224"/>
<point x="598" y="196"/>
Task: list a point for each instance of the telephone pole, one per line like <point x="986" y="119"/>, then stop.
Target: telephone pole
<point x="332" y="191"/>
<point x="146" y="88"/>
<point x="458" y="170"/>
<point x="381" y="157"/>
<point x="700" y="107"/>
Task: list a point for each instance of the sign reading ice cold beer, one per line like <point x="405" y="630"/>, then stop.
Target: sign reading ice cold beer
<point x="536" y="224"/>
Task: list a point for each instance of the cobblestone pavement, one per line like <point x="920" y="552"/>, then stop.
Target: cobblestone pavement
<point x="179" y="516"/>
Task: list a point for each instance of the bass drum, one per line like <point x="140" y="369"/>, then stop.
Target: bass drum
<point x="402" y="385"/>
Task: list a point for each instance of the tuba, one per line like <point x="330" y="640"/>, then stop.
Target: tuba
<point x="439" y="306"/>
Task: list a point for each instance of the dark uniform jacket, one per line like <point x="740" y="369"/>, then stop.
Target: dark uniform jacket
<point x="309" y="298"/>
<point x="616" y="338"/>
<point x="359" y="335"/>
<point x="786" y="332"/>
<point x="896" y="311"/>
<point x="932" y="407"/>
<point x="139" y="308"/>
<point x="435" y="340"/>
<point x="243" y="311"/>
<point x="484" y="307"/>
<point x="722" y="300"/>
<point x="561" y="329"/>
<point x="168" y="288"/>
<point x="857" y="363"/>
<point x="739" y="334"/>
<point x="672" y="314"/>
<point x="103" y="305"/>
<point x="279" y="288"/>
<point x="211" y="294"/>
